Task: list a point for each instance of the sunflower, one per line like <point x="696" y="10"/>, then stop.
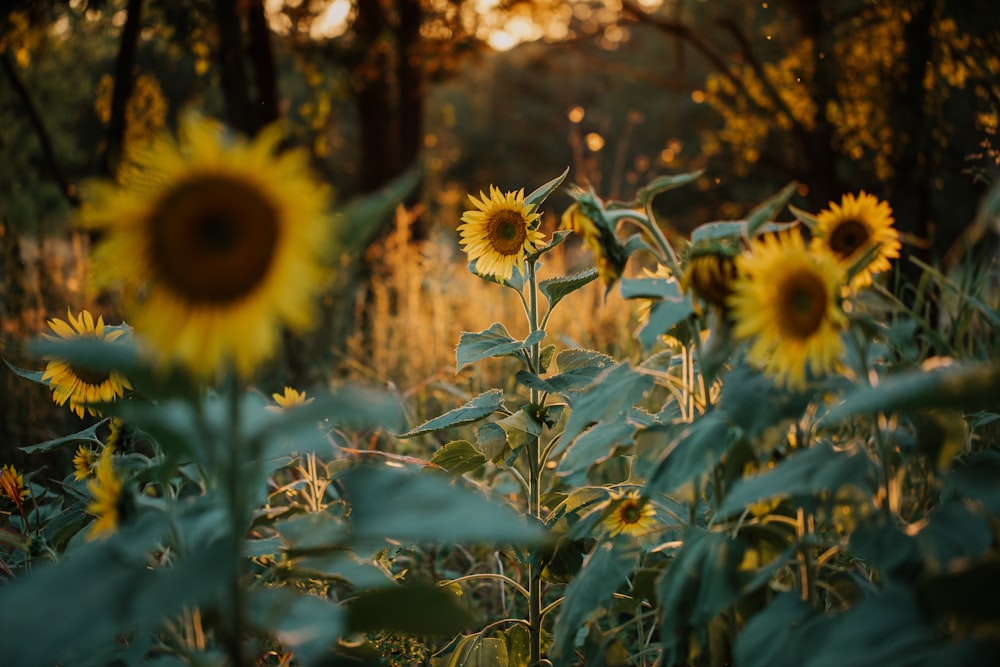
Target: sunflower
<point x="84" y="462"/>
<point x="852" y="228"/>
<point x="12" y="485"/>
<point x="501" y="233"/>
<point x="609" y="255"/>
<point x="82" y="386"/>
<point x="106" y="489"/>
<point x="709" y="276"/>
<point x="215" y="241"/>
<point x="785" y="299"/>
<point x="289" y="399"/>
<point x="630" y="515"/>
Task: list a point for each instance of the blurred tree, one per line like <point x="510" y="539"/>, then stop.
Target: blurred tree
<point x="892" y="97"/>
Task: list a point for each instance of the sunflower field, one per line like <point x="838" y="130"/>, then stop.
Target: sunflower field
<point x="301" y="409"/>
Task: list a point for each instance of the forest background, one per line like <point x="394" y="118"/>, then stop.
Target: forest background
<point x="422" y="102"/>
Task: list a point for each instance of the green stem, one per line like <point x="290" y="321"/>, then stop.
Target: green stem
<point x="235" y="497"/>
<point x="534" y="480"/>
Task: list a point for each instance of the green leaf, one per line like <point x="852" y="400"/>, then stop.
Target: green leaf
<point x="664" y="315"/>
<point x="577" y="369"/>
<point x="650" y="288"/>
<point x="88" y="434"/>
<point x="597" y="444"/>
<point x="481" y="406"/>
<point x="608" y="397"/>
<point x="493" y="342"/>
<point x="766" y="211"/>
<point x="806" y="218"/>
<point x="458" y="457"/>
<point x="417" y="609"/>
<point x="693" y="453"/>
<point x="491" y="441"/>
<point x="475" y="651"/>
<point x="970" y="386"/>
<point x="34" y="376"/>
<point x="811" y="472"/>
<point x="976" y="478"/>
<point x="542" y="193"/>
<point x="703" y="579"/>
<point x="754" y="403"/>
<point x="358" y="223"/>
<point x="521" y="428"/>
<point x="558" y="237"/>
<point x="777" y="635"/>
<point x="307" y="624"/>
<point x="662" y="184"/>
<point x="725" y="229"/>
<point x="518" y="641"/>
<point x="391" y="503"/>
<point x="603" y="572"/>
<point x="555" y="289"/>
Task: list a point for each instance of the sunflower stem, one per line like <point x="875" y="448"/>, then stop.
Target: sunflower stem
<point x="235" y="500"/>
<point x="534" y="480"/>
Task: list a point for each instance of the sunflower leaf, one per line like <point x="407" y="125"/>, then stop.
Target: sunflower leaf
<point x="663" y="316"/>
<point x="481" y="406"/>
<point x="458" y="457"/>
<point x="692" y="453"/>
<point x="722" y="229"/>
<point x="650" y="288"/>
<point x="555" y="289"/>
<point x="515" y="282"/>
<point x="609" y="397"/>
<point x="34" y="376"/>
<point x="806" y="218"/>
<point x="493" y="342"/>
<point x="541" y="194"/>
<point x="662" y="184"/>
<point x="88" y="434"/>
<point x="769" y="208"/>
<point x="557" y="238"/>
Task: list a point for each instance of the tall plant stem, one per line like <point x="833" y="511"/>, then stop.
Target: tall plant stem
<point x="534" y="481"/>
<point x="236" y="497"/>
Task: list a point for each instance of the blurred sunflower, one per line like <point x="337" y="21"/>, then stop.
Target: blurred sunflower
<point x="585" y="217"/>
<point x="785" y="300"/>
<point x="709" y="276"/>
<point x="290" y="398"/>
<point x="12" y="484"/>
<point x="501" y="233"/>
<point x="84" y="462"/>
<point x="850" y="229"/>
<point x="106" y="490"/>
<point x="215" y="240"/>
<point x="82" y="386"/>
<point x="630" y="515"/>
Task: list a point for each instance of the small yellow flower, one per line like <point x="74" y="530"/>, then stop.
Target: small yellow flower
<point x="630" y="515"/>
<point x="785" y="300"/>
<point x="289" y="399"/>
<point x="501" y="233"/>
<point x="216" y="242"/>
<point x="850" y="229"/>
<point x="84" y="462"/>
<point x="82" y="386"/>
<point x="12" y="485"/>
<point x="106" y="490"/>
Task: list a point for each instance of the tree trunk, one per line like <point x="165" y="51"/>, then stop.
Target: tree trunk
<point x="262" y="60"/>
<point x="122" y="91"/>
<point x="235" y="91"/>
<point x="374" y="99"/>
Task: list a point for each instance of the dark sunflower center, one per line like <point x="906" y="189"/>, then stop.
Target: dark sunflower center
<point x="803" y="302"/>
<point x="847" y="237"/>
<point x="91" y="376"/>
<point x="630" y="512"/>
<point x="213" y="238"/>
<point x="507" y="231"/>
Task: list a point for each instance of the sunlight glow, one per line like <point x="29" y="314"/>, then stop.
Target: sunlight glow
<point x="333" y="21"/>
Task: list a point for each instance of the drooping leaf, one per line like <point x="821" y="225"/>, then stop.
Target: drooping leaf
<point x="555" y="289"/>
<point x="34" y="376"/>
<point x="971" y="386"/>
<point x="664" y="315"/>
<point x="392" y="503"/>
<point x="418" y="609"/>
<point x="541" y="193"/>
<point x="603" y="572"/>
<point x="811" y="472"/>
<point x="493" y="342"/>
<point x="694" y="452"/>
<point x="976" y="478"/>
<point x="458" y="457"/>
<point x="663" y="184"/>
<point x="481" y="406"/>
<point x="777" y="635"/>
